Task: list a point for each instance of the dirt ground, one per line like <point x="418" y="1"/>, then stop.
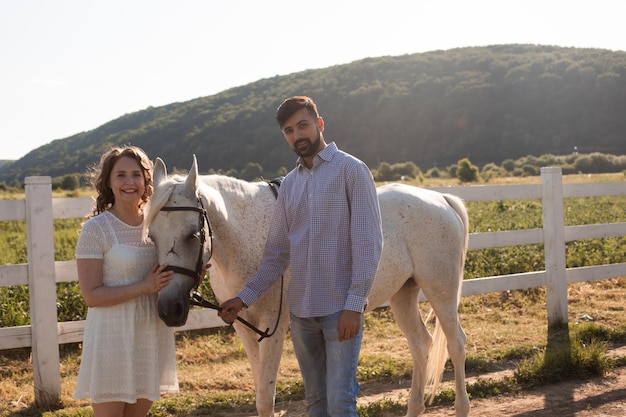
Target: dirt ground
<point x="597" y="397"/>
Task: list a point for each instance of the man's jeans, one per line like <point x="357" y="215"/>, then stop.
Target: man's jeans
<point x="328" y="366"/>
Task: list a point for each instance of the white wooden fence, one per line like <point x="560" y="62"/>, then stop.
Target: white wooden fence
<point x="41" y="273"/>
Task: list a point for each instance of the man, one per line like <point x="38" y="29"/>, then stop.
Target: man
<point x="326" y="225"/>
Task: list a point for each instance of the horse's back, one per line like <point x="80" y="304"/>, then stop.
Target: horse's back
<point x="424" y="239"/>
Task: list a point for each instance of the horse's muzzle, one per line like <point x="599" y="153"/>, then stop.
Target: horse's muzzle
<point x="174" y="313"/>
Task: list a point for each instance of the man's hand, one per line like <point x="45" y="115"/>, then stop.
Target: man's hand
<point x="230" y="309"/>
<point x="348" y="325"/>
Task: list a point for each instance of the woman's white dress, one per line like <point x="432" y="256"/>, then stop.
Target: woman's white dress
<point x="128" y="352"/>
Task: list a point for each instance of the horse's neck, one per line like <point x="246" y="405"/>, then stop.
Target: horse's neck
<point x="231" y="199"/>
<point x="239" y="213"/>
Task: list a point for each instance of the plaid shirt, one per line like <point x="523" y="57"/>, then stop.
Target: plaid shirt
<point x="326" y="226"/>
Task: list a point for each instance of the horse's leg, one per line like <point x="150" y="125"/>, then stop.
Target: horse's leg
<point x="269" y="361"/>
<point x="405" y="308"/>
<point x="264" y="367"/>
<point x="446" y="310"/>
<point x="264" y="358"/>
<point x="456" y="350"/>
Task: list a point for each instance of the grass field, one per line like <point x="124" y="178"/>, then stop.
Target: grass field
<point x="504" y="330"/>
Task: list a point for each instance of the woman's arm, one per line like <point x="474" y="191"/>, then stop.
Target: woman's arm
<point x="96" y="294"/>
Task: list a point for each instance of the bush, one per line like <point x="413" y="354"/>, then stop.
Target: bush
<point x="466" y="172"/>
<point x="434" y="173"/>
<point x="508" y="165"/>
<point x="597" y="163"/>
<point x="252" y="171"/>
<point x="70" y="182"/>
<point x="396" y="172"/>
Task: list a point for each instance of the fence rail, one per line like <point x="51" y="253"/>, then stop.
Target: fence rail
<point x="41" y="273"/>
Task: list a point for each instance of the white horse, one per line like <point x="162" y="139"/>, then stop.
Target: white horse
<point x="196" y="217"/>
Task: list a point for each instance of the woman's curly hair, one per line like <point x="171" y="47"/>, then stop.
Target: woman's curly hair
<point x="100" y="175"/>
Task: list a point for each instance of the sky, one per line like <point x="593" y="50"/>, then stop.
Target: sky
<point x="68" y="66"/>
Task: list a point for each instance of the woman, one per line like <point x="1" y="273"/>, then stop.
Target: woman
<point x="128" y="354"/>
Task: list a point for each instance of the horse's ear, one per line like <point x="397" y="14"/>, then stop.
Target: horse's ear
<point x="159" y="172"/>
<point x="191" y="183"/>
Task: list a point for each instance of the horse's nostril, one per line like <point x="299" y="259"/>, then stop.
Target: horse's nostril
<point x="179" y="310"/>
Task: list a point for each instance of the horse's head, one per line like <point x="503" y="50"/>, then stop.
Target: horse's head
<point x="179" y="227"/>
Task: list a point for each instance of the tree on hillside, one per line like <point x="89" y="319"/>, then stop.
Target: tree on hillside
<point x="489" y="104"/>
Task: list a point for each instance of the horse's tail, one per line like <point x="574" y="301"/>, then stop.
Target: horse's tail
<point x="437" y="356"/>
<point x="438" y="353"/>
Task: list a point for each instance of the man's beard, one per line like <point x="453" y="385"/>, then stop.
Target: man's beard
<point x="309" y="150"/>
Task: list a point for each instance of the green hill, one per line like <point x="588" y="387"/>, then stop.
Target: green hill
<point x="487" y="104"/>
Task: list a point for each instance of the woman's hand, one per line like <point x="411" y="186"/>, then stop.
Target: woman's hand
<point x="157" y="279"/>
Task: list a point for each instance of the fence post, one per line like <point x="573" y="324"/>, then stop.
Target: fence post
<point x="42" y="291"/>
<point x="554" y="245"/>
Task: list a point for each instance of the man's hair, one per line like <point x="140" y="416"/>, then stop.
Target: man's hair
<point x="294" y="104"/>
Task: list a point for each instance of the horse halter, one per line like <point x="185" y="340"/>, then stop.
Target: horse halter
<point x="204" y="220"/>
<point x="195" y="298"/>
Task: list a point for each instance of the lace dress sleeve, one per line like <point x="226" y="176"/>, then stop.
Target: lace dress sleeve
<point x="91" y="241"/>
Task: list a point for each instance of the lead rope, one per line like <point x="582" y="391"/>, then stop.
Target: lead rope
<point x="197" y="300"/>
